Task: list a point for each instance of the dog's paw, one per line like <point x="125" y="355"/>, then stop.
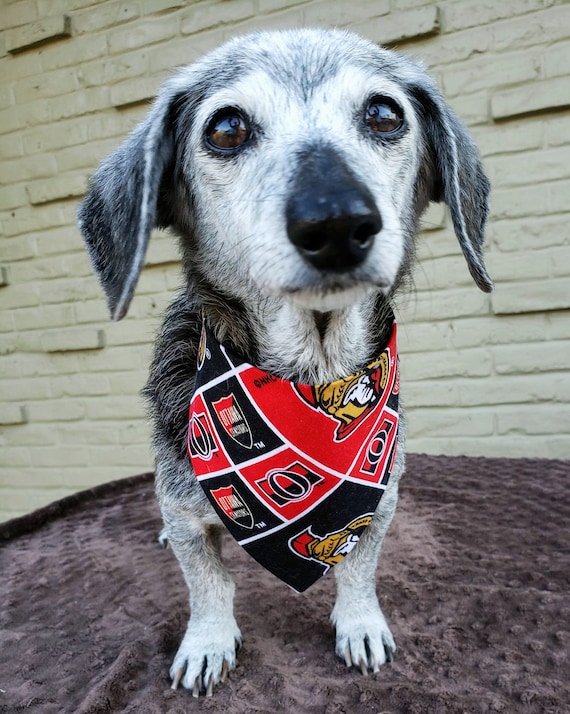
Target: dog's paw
<point x="363" y="639"/>
<point x="206" y="655"/>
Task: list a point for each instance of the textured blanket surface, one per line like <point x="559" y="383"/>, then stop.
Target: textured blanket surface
<point x="474" y="581"/>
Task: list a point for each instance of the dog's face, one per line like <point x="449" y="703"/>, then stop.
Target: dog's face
<point x="293" y="165"/>
<point x="338" y="150"/>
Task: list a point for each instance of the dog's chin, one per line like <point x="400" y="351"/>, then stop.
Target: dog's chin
<point x="331" y="300"/>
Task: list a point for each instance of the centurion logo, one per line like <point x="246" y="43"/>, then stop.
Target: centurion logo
<point x="233" y="421"/>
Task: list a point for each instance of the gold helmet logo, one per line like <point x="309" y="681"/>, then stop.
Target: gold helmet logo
<point x="351" y="399"/>
<point x="333" y="547"/>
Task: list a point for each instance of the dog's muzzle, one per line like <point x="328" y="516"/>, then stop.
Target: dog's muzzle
<point x="332" y="218"/>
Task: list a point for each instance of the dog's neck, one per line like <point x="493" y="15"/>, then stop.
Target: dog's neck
<point x="297" y="343"/>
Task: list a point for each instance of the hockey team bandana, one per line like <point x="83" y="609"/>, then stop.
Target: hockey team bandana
<point x="294" y="471"/>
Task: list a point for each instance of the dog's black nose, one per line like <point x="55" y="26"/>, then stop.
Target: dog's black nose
<point x="331" y="216"/>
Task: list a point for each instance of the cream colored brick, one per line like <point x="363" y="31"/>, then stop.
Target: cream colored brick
<point x="80" y="385"/>
<point x="452" y="422"/>
<point x="536" y="29"/>
<point x="489" y="391"/>
<point x="558" y="193"/>
<point x="115" y="407"/>
<point x="142" y="33"/>
<point x="133" y="91"/>
<point x="44" y="316"/>
<point x="43" y="30"/>
<point x="539" y="96"/>
<point x="74" y="340"/>
<point x="520" y="266"/>
<point x="205" y="15"/>
<point x="68" y="290"/>
<point x="11" y="147"/>
<point x="452" y="48"/>
<point x="556" y="130"/>
<point x="466" y="13"/>
<point x="60" y="55"/>
<point x="554" y="447"/>
<point x="555" y="60"/>
<point x="56" y="189"/>
<point x="51" y="457"/>
<point x="89" y="476"/>
<point x="56" y="410"/>
<point x="109" y="70"/>
<point x="115" y="359"/>
<point x="533" y="296"/>
<point x="272" y="5"/>
<point x="20" y="390"/>
<point x="9" y="120"/>
<point x="519" y="202"/>
<point x="28" y="169"/>
<point x="399" y="27"/>
<point x="11" y="414"/>
<point x="48" y="84"/>
<point x="342" y="13"/>
<point x="182" y="51"/>
<point x="516" y="136"/>
<point x="14" y="249"/>
<point x="528" y="234"/>
<point x="13" y="197"/>
<point x="14" y="14"/>
<point x="451" y="303"/>
<point x="103" y="15"/>
<point x="534" y="419"/>
<point x="6" y="95"/>
<point x="492" y="71"/>
<point x="123" y="456"/>
<point x="37" y="434"/>
<point x="535" y="358"/>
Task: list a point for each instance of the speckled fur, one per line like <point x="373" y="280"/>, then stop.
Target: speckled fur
<point x="305" y="92"/>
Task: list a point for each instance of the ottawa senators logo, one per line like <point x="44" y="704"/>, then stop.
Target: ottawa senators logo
<point x="350" y="400"/>
<point x="233" y="421"/>
<point x="200" y="440"/>
<point x="332" y="548"/>
<point x="293" y="483"/>
<point x="233" y="506"/>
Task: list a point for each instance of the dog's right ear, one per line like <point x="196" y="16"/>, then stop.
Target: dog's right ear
<point x="120" y="208"/>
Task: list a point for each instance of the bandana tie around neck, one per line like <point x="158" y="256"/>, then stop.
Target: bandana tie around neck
<point x="294" y="471"/>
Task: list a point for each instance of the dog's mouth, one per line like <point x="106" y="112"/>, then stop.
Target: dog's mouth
<point x="334" y="295"/>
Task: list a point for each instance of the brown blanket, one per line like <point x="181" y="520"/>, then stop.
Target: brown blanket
<point x="474" y="582"/>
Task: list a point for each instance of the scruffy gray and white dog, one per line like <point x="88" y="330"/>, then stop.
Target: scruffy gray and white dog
<point x="294" y="167"/>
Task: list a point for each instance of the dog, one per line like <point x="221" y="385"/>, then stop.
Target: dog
<point x="294" y="167"/>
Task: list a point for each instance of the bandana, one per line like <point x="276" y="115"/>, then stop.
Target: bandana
<point x="294" y="471"/>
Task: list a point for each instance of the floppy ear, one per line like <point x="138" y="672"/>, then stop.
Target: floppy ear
<point x="120" y="208"/>
<point x="459" y="179"/>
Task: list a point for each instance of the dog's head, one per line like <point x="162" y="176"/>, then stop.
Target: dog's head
<point x="292" y="164"/>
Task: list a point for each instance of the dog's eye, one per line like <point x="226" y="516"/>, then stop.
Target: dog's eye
<point x="228" y="130"/>
<point x="383" y="116"/>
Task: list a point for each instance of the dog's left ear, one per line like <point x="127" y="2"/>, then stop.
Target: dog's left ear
<point x="459" y="179"/>
<point x="120" y="208"/>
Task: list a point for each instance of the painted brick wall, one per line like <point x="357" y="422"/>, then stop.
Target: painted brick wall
<point x="482" y="374"/>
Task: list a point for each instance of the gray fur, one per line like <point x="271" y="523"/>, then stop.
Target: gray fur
<point x="304" y="91"/>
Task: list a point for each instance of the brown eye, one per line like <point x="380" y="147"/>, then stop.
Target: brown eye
<point x="383" y="116"/>
<point x="228" y="130"/>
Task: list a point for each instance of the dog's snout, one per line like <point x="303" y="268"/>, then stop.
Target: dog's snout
<point x="332" y="218"/>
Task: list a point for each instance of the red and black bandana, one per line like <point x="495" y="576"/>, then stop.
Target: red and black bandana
<point x="294" y="471"/>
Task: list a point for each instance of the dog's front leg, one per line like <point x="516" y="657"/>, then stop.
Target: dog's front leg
<point x="208" y="650"/>
<point x="363" y="637"/>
